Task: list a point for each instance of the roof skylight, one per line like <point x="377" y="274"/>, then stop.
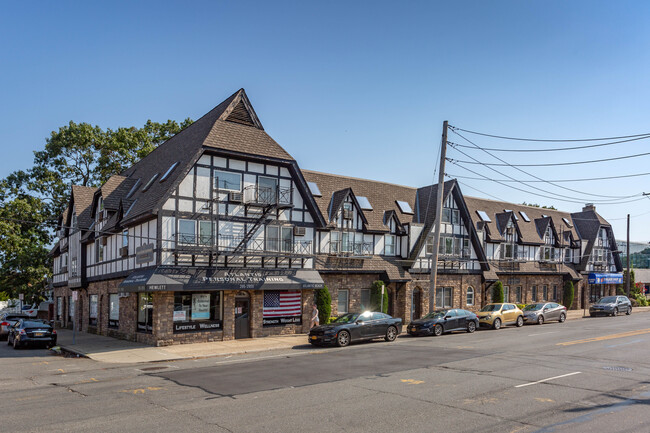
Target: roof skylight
<point x="130" y="207"/>
<point x="404" y="207"/>
<point x="566" y="221"/>
<point x="484" y="216"/>
<point x="168" y="172"/>
<point x="513" y="213"/>
<point x="151" y="181"/>
<point x="313" y="187"/>
<point x="524" y="216"/>
<point x="364" y="202"/>
<point x="133" y="189"/>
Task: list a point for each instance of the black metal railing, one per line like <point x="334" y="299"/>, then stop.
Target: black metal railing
<point x="261" y="195"/>
<point x="351" y="248"/>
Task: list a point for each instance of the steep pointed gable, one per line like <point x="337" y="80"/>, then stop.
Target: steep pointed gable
<point x="240" y="110"/>
<point x="338" y="197"/>
<point x="82" y="200"/>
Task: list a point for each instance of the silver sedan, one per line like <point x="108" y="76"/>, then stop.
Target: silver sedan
<point x="544" y="311"/>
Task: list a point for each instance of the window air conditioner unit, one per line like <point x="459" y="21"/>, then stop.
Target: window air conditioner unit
<point x="347" y="214"/>
<point x="299" y="231"/>
<point x="235" y="197"/>
<point x="124" y="251"/>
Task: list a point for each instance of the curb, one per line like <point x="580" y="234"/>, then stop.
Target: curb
<point x="67" y="350"/>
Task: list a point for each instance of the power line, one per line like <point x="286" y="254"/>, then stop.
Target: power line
<point x="559" y="163"/>
<point x="647" y="134"/>
<point x="558" y="149"/>
<point x="533" y="176"/>
<point x="555" y="180"/>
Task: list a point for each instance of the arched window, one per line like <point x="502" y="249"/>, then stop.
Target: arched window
<point x="470" y="296"/>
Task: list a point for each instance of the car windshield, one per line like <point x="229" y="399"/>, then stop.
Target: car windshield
<point x="607" y="300"/>
<point x="347" y="318"/>
<point x="436" y="315"/>
<point x="533" y="307"/>
<point x="491" y="307"/>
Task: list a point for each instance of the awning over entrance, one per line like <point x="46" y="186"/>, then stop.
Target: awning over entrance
<point x="595" y="278"/>
<point x="179" y="278"/>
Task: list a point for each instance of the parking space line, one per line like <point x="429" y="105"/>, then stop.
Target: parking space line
<point x="547" y="379"/>
<point x="605" y="337"/>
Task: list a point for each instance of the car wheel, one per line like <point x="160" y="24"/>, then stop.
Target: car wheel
<point x="496" y="324"/>
<point x="8" y="341"/>
<point x="343" y="339"/>
<point x="391" y="334"/>
<point x="437" y="330"/>
<point x="629" y="311"/>
<point x="562" y="317"/>
<point x="615" y="313"/>
<point x="471" y="327"/>
<point x="540" y="320"/>
<point x="520" y="322"/>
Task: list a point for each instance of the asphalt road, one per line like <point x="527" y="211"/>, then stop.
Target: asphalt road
<point x="588" y="375"/>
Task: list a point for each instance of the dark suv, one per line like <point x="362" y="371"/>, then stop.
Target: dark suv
<point x="611" y="306"/>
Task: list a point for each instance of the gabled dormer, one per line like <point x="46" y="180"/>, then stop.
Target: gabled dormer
<point x="509" y="230"/>
<point x="345" y="211"/>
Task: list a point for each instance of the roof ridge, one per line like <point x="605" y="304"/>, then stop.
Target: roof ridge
<point x="358" y="178"/>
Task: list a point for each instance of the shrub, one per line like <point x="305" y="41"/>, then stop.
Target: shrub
<point x="567" y="297"/>
<point x="640" y="299"/>
<point x="497" y="292"/>
<point x="375" y="295"/>
<point x="521" y="306"/>
<point x="323" y="301"/>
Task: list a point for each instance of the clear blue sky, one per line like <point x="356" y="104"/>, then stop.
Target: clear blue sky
<point x="354" y="88"/>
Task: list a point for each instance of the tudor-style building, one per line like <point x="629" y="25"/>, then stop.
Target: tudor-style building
<point x="218" y="234"/>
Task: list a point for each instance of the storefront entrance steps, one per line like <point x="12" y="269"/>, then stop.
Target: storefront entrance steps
<point x="113" y="350"/>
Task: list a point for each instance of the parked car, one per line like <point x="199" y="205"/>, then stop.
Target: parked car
<point x="611" y="306"/>
<point x="437" y="322"/>
<point x="352" y="327"/>
<point x="496" y="315"/>
<point x="30" y="310"/>
<point x="27" y="332"/>
<point x="543" y="312"/>
<point x="7" y="320"/>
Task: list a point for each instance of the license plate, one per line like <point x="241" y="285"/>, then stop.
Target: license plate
<point x="313" y="337"/>
<point x="412" y="329"/>
<point x="38" y="334"/>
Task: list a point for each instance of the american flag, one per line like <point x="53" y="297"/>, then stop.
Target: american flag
<point x="282" y="303"/>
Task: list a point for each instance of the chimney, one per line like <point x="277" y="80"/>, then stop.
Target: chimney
<point x="589" y="207"/>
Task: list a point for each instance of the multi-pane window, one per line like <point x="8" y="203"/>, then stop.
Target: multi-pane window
<point x="74" y="268"/>
<point x="125" y="238"/>
<point x="335" y="242"/>
<point x="343" y="301"/>
<point x="506" y="293"/>
<point x="555" y="292"/>
<point x="443" y="297"/>
<point x="470" y="296"/>
<point x="518" y="295"/>
<point x="267" y="189"/>
<point x="279" y="238"/>
<point x="227" y="181"/>
<point x="100" y="249"/>
<point x="389" y="249"/>
<point x="205" y="233"/>
<point x="545" y="292"/>
<point x="450" y="216"/>
<point x="534" y="293"/>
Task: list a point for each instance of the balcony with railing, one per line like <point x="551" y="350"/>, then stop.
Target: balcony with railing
<point x="256" y="195"/>
<point x="351" y="248"/>
<point x="230" y="245"/>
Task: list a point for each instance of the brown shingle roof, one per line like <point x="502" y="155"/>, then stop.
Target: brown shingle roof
<point x="381" y="195"/>
<point x="82" y="197"/>
<point x="387" y="266"/>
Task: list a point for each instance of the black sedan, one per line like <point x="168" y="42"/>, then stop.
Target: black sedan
<point x="437" y="322"/>
<point x="356" y="327"/>
<point x="31" y="332"/>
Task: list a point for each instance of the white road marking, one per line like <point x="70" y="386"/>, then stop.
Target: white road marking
<point x="543" y="333"/>
<point x="547" y="379"/>
<point x="237" y="361"/>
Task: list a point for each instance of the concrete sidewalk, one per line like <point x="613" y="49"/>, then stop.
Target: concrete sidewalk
<point x="112" y="350"/>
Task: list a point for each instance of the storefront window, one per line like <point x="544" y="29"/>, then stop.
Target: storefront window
<point x="114" y="311"/>
<point x="92" y="309"/>
<point x="197" y="311"/>
<point x="343" y="301"/>
<point x="145" y="312"/>
<point x="443" y="297"/>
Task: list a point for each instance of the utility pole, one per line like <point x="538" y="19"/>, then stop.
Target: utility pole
<point x="629" y="273"/>
<point x="438" y="218"/>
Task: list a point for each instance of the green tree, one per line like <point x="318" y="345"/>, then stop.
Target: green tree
<point x="323" y="301"/>
<point x="568" y="295"/>
<point x="376" y="299"/>
<point x="497" y="292"/>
